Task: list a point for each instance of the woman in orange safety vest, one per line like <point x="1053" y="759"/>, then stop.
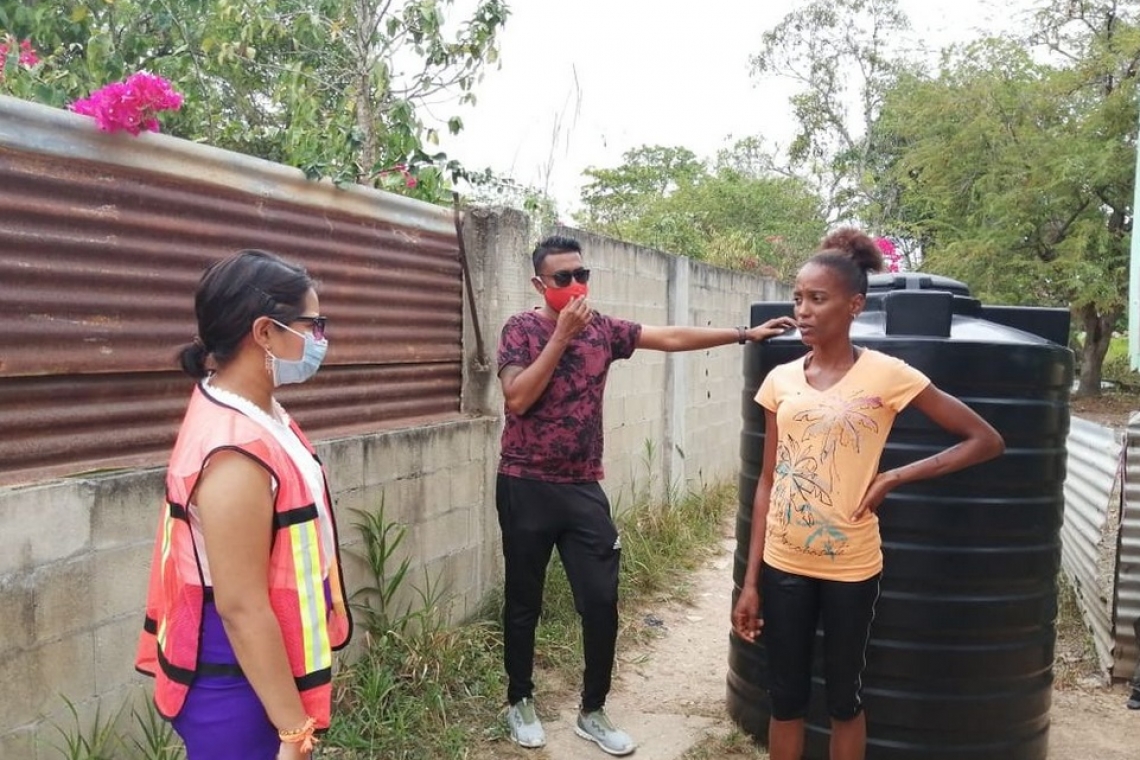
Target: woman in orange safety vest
<point x="246" y="600"/>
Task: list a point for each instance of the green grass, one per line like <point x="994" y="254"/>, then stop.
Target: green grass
<point x="420" y="690"/>
<point x="98" y="741"/>
<point x="425" y="695"/>
<point x="152" y="739"/>
<point x="1117" y="348"/>
<point x="439" y="693"/>
<point x="1075" y="658"/>
<point x="660" y="545"/>
<point x="735" y="745"/>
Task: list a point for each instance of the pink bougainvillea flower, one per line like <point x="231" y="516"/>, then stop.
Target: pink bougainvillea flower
<point x="890" y="253"/>
<point x="27" y="58"/>
<point x="131" y="105"/>
<point x="410" y="180"/>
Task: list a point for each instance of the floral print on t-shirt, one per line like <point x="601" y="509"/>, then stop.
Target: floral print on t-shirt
<point x="828" y="446"/>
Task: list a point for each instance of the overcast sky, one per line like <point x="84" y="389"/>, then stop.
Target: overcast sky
<point x="582" y="81"/>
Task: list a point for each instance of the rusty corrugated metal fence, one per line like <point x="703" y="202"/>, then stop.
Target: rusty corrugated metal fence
<point x="1128" y="566"/>
<point x="102" y="241"/>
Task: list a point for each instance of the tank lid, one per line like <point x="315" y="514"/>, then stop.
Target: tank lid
<point x="883" y="283"/>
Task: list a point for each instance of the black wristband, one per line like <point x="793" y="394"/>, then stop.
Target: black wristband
<point x="741" y="334"/>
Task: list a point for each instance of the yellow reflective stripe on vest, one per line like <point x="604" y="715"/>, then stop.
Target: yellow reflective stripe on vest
<point x="167" y="546"/>
<point x="305" y="540"/>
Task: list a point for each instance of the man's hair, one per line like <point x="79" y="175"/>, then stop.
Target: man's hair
<point x="553" y="244"/>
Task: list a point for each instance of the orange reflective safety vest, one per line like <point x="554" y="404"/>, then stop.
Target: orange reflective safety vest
<point x="311" y="628"/>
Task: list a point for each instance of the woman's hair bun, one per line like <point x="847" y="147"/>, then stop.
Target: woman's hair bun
<point x="858" y="245"/>
<point x="192" y="357"/>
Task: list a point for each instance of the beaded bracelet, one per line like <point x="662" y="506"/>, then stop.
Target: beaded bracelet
<point x="303" y="735"/>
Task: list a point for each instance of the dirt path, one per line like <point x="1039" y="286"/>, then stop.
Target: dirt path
<point x="1092" y="724"/>
<point x="671" y="696"/>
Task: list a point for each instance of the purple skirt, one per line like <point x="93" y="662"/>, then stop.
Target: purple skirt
<point x="222" y="718"/>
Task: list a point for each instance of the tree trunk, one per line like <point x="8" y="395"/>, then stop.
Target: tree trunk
<point x="1098" y="336"/>
<point x="367" y="118"/>
<point x="366" y="121"/>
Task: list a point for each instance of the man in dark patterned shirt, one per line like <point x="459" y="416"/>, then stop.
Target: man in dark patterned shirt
<point x="553" y="363"/>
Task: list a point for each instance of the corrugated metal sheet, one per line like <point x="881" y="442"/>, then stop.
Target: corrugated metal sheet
<point x="1088" y="552"/>
<point x="102" y="241"/>
<point x="1128" y="567"/>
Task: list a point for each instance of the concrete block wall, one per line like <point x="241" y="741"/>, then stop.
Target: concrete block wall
<point x="73" y="570"/>
<point x="712" y="397"/>
<point x="632" y="283"/>
<point x="436" y="481"/>
<point x="76" y="555"/>
<point x="75" y="552"/>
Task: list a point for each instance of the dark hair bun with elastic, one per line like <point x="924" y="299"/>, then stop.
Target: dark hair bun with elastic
<point x="858" y="245"/>
<point x="193" y="360"/>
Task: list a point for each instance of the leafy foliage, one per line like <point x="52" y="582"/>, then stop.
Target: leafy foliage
<point x="614" y="196"/>
<point x="1011" y="168"/>
<point x="334" y="87"/>
<point x="153" y="738"/>
<point x="841" y="53"/>
<point x="735" y="213"/>
<point x="97" y="742"/>
<point x="486" y="189"/>
<point x="1017" y="174"/>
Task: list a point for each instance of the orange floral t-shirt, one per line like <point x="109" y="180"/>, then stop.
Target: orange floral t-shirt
<point x="827" y="453"/>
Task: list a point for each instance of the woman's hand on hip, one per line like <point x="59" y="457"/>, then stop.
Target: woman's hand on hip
<point x="746" y="619"/>
<point x="883" y="483"/>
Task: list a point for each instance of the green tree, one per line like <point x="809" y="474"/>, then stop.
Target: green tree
<point x="845" y="55"/>
<point x="334" y="87"/>
<point x="735" y="214"/>
<point x="612" y="197"/>
<point x="489" y="190"/>
<point x="1017" y="175"/>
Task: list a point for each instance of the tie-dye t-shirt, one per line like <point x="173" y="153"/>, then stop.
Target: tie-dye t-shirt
<point x="559" y="439"/>
<point x="827" y="453"/>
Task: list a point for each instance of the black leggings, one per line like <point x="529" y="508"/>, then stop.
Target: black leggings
<point x="793" y="605"/>
<point x="535" y="517"/>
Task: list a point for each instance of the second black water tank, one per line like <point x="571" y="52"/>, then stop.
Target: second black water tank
<point x="959" y="665"/>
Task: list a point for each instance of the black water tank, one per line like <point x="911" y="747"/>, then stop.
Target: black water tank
<point x="960" y="661"/>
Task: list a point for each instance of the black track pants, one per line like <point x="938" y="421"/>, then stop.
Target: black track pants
<point x="536" y="516"/>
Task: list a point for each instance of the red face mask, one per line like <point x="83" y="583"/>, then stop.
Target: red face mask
<point x="557" y="298"/>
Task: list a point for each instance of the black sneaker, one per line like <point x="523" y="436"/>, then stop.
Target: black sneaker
<point x="1133" y="702"/>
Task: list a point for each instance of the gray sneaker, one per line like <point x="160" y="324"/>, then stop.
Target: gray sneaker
<point x="526" y="728"/>
<point x="596" y="727"/>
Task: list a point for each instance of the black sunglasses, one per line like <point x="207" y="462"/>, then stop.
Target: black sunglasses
<point x="562" y="279"/>
<point x="318" y="323"/>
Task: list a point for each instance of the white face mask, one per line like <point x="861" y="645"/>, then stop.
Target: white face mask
<point x="289" y="371"/>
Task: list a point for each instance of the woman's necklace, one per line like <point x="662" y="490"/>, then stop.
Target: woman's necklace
<point x="278" y="417"/>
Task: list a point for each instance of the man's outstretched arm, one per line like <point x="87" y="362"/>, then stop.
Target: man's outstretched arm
<point x="679" y="338"/>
